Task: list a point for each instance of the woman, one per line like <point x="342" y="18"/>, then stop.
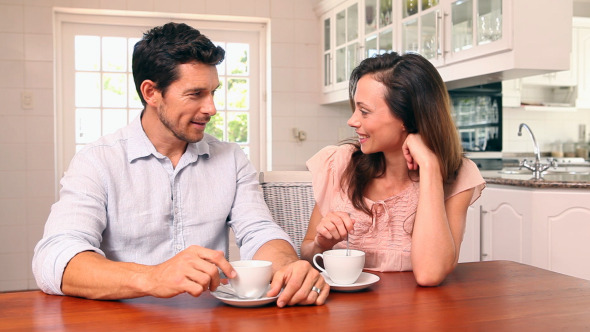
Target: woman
<point x="401" y="192"/>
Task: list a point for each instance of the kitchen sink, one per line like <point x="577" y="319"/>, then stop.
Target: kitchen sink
<point x="566" y="173"/>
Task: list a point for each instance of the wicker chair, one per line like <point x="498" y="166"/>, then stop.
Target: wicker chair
<point x="289" y="197"/>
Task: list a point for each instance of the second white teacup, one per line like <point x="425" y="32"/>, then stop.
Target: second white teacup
<point x="343" y="269"/>
<point x="253" y="278"/>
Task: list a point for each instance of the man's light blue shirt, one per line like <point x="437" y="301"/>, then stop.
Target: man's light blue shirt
<point x="124" y="200"/>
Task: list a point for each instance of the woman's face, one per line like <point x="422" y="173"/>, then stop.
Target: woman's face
<point x="378" y="130"/>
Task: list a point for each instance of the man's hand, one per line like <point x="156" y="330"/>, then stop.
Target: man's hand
<point x="302" y="285"/>
<point x="193" y="270"/>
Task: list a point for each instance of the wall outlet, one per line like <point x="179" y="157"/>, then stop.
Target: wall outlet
<point x="26" y="100"/>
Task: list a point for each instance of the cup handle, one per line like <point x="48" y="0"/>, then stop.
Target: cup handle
<point x="316" y="263"/>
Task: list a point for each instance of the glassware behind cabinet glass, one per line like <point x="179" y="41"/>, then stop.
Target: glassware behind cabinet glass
<point x="489" y="21"/>
<point x="462" y="25"/>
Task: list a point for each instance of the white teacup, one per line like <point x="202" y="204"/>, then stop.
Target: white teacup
<point x="253" y="278"/>
<point x="343" y="269"/>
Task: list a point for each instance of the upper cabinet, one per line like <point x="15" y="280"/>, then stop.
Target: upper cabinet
<point x="560" y="90"/>
<point x="341" y="46"/>
<point x="447" y="32"/>
<point x="471" y="42"/>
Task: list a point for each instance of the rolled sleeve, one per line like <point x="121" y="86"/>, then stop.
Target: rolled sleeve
<point x="250" y="217"/>
<point x="74" y="225"/>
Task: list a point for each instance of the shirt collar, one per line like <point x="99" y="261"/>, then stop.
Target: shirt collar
<point x="140" y="146"/>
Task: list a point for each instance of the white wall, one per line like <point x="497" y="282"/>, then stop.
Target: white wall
<point x="548" y="127"/>
<point x="27" y="183"/>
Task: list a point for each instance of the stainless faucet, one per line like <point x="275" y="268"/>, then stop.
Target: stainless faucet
<point x="537" y="167"/>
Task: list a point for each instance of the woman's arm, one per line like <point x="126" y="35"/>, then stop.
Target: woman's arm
<point x="324" y="232"/>
<point x="439" y="225"/>
<point x="438" y="230"/>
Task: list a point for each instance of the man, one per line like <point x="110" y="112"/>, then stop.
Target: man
<point x="145" y="211"/>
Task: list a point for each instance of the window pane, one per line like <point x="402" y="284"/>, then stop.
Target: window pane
<point x="87" y="125"/>
<point x="133" y="97"/>
<point x="134" y="114"/>
<point x="219" y="97"/>
<point x="237" y="58"/>
<point x="114" y="54"/>
<point x="87" y="53"/>
<point x="114" y="90"/>
<point x="87" y="90"/>
<point x="237" y="127"/>
<point x="216" y="126"/>
<point x="237" y="93"/>
<point x="113" y="119"/>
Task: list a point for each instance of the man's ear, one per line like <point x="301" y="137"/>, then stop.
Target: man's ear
<point x="150" y="93"/>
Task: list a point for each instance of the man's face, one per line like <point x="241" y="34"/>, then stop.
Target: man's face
<point x="188" y="103"/>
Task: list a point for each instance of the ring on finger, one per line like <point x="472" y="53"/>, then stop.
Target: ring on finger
<point x="315" y="289"/>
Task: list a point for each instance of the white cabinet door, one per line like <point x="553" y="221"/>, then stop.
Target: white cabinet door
<point x="470" y="247"/>
<point x="561" y="232"/>
<point x="506" y="223"/>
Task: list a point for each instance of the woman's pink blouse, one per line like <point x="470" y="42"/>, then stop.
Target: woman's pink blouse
<point x="386" y="238"/>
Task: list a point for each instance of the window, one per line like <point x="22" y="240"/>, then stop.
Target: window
<point x="96" y="94"/>
<point x="105" y="98"/>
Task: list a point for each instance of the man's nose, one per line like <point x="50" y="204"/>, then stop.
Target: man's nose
<point x="209" y="107"/>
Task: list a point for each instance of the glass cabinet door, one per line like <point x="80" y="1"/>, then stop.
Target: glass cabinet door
<point x="462" y="25"/>
<point x="347" y="45"/>
<point x="326" y="51"/>
<point x="489" y="21"/>
<point x="378" y="27"/>
<point x="421" y="28"/>
<point x="477" y="28"/>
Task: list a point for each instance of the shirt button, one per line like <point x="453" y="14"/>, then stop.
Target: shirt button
<point x="178" y="247"/>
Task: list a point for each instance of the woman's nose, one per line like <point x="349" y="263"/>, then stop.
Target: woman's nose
<point x="352" y="121"/>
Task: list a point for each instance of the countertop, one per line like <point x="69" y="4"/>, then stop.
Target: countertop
<point x="555" y="180"/>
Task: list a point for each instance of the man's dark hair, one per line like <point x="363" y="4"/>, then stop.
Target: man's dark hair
<point x="157" y="55"/>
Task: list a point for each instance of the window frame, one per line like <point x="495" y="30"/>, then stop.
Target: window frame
<point x="63" y="16"/>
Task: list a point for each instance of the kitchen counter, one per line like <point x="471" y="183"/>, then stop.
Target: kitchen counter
<point x="554" y="180"/>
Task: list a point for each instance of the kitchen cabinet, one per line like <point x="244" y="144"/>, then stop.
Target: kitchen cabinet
<point x="547" y="228"/>
<point x="560" y="90"/>
<point x="341" y="48"/>
<point x="470" y="247"/>
<point x="514" y="45"/>
<point x="506" y="224"/>
<point x="561" y="232"/>
<point x="497" y="227"/>
<point x="449" y="31"/>
<point x="471" y="42"/>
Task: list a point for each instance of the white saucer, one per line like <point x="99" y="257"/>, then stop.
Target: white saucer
<point x="235" y="301"/>
<point x="365" y="280"/>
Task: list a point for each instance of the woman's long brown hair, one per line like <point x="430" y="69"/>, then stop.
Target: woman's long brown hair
<point x="417" y="95"/>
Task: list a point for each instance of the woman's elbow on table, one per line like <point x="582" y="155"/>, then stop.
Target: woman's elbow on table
<point x="430" y="277"/>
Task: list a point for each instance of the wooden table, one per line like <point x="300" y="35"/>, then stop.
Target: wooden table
<point x="494" y="296"/>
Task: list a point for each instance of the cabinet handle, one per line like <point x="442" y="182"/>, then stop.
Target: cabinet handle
<point x="330" y="69"/>
<point x="482" y="254"/>
<point x="437" y="25"/>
